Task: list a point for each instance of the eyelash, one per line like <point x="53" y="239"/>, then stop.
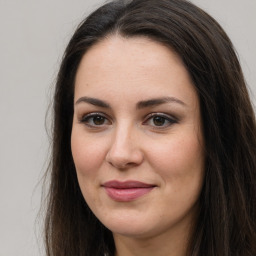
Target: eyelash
<point x="168" y="120"/>
<point x="89" y="117"/>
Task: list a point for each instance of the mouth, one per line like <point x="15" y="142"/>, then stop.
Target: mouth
<point x="127" y="191"/>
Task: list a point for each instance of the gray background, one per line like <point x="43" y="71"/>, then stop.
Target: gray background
<point x="33" y="35"/>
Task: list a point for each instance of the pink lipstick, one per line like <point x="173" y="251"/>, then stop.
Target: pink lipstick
<point x="126" y="191"/>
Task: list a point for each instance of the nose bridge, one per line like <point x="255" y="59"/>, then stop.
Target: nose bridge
<point x="124" y="149"/>
<point x="123" y="136"/>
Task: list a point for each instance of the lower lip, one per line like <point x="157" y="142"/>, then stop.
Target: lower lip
<point x="126" y="194"/>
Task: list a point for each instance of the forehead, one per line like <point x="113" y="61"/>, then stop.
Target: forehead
<point x="132" y="66"/>
<point x="120" y="52"/>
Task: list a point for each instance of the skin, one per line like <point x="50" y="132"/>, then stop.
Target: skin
<point x="159" y="144"/>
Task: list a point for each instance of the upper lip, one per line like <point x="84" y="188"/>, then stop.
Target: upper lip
<point x="127" y="184"/>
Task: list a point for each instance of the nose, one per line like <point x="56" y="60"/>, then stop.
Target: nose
<point x="124" y="151"/>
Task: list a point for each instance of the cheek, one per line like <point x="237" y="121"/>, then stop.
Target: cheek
<point x="88" y="153"/>
<point x="180" y="164"/>
<point x="178" y="159"/>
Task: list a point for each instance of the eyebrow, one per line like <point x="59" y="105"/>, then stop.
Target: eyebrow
<point x="93" y="101"/>
<point x="159" y="101"/>
<point x="139" y="105"/>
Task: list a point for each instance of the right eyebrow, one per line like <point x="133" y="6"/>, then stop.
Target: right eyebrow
<point x="93" y="101"/>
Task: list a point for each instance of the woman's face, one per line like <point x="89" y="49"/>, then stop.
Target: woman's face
<point x="137" y="138"/>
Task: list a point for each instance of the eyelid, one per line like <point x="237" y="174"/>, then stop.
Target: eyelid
<point x="85" y="117"/>
<point x="170" y="118"/>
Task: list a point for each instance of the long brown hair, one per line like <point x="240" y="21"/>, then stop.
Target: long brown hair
<point x="226" y="223"/>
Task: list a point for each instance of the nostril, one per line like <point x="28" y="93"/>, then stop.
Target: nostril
<point x="120" y="163"/>
<point x="124" y="161"/>
<point x="123" y="151"/>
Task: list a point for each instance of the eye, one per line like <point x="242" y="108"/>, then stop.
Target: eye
<point x="95" y="120"/>
<point x="159" y="120"/>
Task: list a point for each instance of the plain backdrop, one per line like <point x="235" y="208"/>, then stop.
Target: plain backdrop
<point x="33" y="35"/>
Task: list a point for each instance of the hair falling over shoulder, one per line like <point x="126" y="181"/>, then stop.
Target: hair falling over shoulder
<point x="226" y="223"/>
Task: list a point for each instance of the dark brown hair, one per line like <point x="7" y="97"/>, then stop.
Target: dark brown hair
<point x="226" y="222"/>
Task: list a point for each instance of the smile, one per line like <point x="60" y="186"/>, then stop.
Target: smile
<point x="126" y="191"/>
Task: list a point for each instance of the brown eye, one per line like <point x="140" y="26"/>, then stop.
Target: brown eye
<point x="95" y="120"/>
<point x="98" y="120"/>
<point x="159" y="120"/>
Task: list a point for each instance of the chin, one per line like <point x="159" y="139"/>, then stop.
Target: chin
<point x="131" y="231"/>
<point x="130" y="226"/>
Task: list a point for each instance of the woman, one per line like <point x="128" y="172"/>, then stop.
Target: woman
<point x="154" y="138"/>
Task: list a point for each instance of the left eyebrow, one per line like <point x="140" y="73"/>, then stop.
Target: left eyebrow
<point x="158" y="101"/>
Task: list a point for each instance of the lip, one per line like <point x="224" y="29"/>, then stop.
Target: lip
<point x="125" y="191"/>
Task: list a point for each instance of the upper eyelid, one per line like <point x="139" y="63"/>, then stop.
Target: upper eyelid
<point x="86" y="117"/>
<point x="147" y="115"/>
<point x="168" y="116"/>
<point x="90" y="114"/>
<point x="171" y="120"/>
<point x="145" y="118"/>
